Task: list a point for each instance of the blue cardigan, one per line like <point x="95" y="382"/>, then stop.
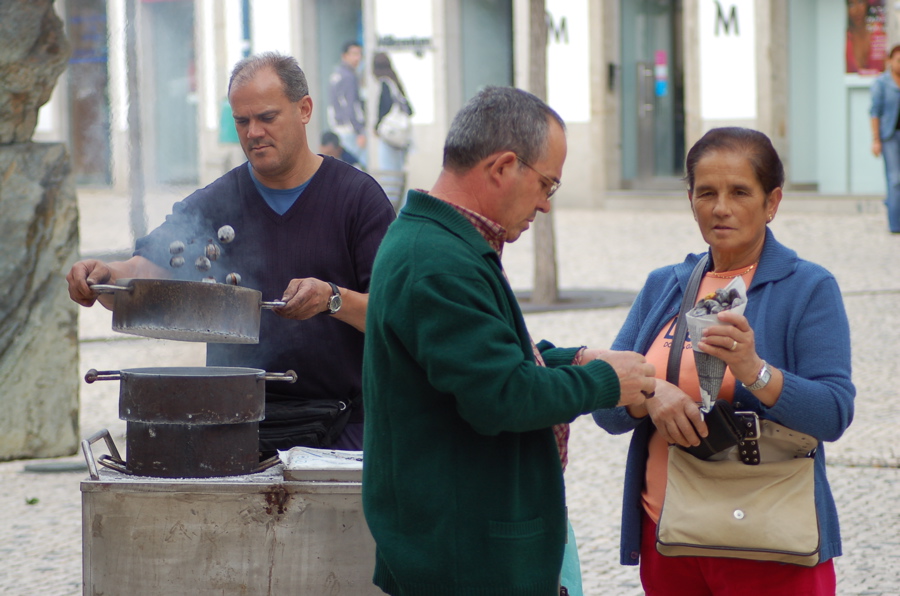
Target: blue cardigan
<point x="798" y="318"/>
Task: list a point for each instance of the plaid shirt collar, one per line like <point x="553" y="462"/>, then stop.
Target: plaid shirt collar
<point x="493" y="233"/>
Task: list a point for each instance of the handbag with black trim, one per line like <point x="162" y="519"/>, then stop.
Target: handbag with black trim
<point x="748" y="492"/>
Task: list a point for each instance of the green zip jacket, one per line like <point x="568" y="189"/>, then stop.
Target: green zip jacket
<point x="462" y="485"/>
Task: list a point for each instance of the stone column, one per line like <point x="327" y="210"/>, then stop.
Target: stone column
<point x="39" y="377"/>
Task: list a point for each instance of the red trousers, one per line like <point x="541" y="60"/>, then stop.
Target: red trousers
<point x="708" y="576"/>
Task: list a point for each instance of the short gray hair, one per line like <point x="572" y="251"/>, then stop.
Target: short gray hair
<point x="286" y="67"/>
<point x="498" y="119"/>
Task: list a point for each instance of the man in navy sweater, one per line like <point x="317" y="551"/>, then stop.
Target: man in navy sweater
<point x="306" y="229"/>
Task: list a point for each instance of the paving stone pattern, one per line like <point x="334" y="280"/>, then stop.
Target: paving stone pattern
<point x="40" y="513"/>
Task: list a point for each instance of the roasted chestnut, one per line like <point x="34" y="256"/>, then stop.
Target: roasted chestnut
<point x="202" y="264"/>
<point x="226" y="234"/>
<point x="213" y="251"/>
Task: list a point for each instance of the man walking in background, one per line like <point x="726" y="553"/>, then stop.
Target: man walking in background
<point x="345" y="109"/>
<point x="885" y="118"/>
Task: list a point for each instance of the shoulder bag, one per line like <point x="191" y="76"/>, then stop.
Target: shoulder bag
<point x="396" y="126"/>
<point x="749" y="493"/>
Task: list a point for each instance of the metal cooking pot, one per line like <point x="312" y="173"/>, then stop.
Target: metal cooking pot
<point x="191" y="394"/>
<point x="187" y="310"/>
<point x="191" y="422"/>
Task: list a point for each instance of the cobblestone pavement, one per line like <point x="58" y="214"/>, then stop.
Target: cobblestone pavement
<point x="40" y="510"/>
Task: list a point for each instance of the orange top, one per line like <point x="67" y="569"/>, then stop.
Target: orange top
<point x="658" y="355"/>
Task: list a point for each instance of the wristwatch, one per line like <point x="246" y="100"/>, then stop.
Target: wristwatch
<point x="762" y="379"/>
<point x="334" y="303"/>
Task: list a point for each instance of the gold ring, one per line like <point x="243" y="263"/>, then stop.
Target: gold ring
<point x="734" y="345"/>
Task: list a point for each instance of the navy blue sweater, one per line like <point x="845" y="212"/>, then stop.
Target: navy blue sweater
<point x="330" y="233"/>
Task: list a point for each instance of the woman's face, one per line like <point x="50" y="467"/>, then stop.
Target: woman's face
<point x="894" y="63"/>
<point x="730" y="205"/>
<point x="856" y="10"/>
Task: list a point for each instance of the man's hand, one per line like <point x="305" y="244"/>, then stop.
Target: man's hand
<point x="82" y="276"/>
<point x="309" y="297"/>
<point x="304" y="298"/>
<point x="86" y="273"/>
<point x="876" y="147"/>
<point x="636" y="375"/>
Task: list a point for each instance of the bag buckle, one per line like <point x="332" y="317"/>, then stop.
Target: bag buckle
<point x="749" y="424"/>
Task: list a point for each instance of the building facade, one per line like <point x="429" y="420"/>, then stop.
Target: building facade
<point x="637" y="81"/>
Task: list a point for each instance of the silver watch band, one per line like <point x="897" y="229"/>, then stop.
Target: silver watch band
<point x="762" y="378"/>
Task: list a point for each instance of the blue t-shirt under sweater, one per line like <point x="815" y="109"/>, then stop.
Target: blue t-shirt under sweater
<point x="279" y="199"/>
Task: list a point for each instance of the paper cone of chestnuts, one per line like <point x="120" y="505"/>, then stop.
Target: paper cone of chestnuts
<point x="711" y="370"/>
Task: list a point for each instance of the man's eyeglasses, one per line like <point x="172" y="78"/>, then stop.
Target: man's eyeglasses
<point x="554" y="183"/>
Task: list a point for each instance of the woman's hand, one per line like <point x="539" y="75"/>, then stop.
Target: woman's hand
<point x="676" y="416"/>
<point x="735" y="343"/>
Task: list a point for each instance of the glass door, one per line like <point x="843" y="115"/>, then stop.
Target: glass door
<point x="486" y="29"/>
<point x="652" y="94"/>
<point x="174" y="91"/>
<point x="338" y="21"/>
<point x="88" y="86"/>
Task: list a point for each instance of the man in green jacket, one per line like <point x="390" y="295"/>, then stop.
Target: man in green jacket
<point x="466" y="418"/>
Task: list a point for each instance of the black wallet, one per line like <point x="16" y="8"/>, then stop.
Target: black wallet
<point x="726" y="429"/>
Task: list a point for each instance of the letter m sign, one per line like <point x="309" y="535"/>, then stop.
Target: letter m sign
<point x="728" y="22"/>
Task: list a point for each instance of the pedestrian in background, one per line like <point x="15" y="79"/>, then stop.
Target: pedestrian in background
<point x="788" y="360"/>
<point x="885" y="113"/>
<point x="394" y="126"/>
<point x="346" y="115"/>
<point x="331" y="145"/>
<point x="466" y="419"/>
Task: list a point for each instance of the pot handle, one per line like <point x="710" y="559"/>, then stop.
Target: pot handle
<point x="89" y="454"/>
<point x="266" y="464"/>
<point x="109" y="288"/>
<point x="272" y="304"/>
<point x="102" y="375"/>
<point x="289" y="376"/>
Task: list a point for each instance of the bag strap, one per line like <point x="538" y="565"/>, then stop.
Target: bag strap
<point x="396" y="96"/>
<point x="673" y="368"/>
<point x="748" y="449"/>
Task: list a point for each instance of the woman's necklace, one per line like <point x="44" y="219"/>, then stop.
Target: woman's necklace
<point x="732" y="276"/>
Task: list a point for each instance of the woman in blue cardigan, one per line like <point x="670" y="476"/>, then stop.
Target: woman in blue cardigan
<point x="788" y="360"/>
